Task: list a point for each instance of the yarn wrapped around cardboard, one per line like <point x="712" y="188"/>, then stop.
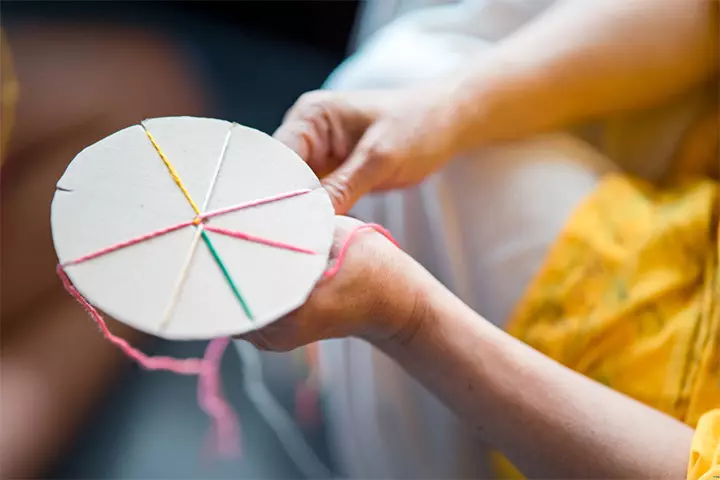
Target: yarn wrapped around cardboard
<point x="172" y="285"/>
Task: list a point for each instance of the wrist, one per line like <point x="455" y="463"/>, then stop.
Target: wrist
<point x="490" y="100"/>
<point x="412" y="313"/>
<point x="464" y="103"/>
<point x="402" y="304"/>
<point x="434" y="318"/>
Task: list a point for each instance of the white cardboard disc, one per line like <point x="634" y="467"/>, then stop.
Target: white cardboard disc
<point x="119" y="189"/>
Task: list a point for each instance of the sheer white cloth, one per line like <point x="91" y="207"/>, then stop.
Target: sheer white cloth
<point x="482" y="226"/>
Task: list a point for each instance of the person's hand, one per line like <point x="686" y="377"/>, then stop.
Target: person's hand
<point x="372" y="295"/>
<point x="372" y="140"/>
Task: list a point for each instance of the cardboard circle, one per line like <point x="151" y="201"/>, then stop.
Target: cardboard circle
<point x="173" y="286"/>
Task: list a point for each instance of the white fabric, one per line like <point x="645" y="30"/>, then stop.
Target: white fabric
<point x="482" y="226"/>
<point x="375" y="14"/>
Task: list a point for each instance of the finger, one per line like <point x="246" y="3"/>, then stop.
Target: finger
<point x="310" y="140"/>
<point x="294" y="135"/>
<point x="302" y="128"/>
<point x="358" y="175"/>
<point x="344" y="226"/>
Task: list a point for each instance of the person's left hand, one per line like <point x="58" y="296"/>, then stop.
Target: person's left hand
<point x="373" y="295"/>
<point x="363" y="141"/>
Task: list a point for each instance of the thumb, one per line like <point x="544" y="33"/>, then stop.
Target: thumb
<point x="359" y="174"/>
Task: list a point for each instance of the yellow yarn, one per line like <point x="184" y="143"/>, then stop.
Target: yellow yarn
<point x="173" y="173"/>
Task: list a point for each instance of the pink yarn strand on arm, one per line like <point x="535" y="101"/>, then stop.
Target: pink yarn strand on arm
<point x="333" y="270"/>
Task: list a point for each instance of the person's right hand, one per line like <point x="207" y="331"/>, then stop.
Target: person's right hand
<point x="372" y="140"/>
<point x="371" y="290"/>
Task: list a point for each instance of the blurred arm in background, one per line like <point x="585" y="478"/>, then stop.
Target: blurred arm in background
<point x="578" y="61"/>
<point x="585" y="60"/>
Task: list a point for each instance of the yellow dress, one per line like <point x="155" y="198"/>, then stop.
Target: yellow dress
<point x="630" y="296"/>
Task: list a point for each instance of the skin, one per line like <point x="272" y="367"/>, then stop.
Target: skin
<point x="579" y="61"/>
<point x="363" y="141"/>
<point x="550" y="421"/>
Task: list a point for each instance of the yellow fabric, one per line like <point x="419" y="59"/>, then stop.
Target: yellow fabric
<point x="628" y="295"/>
<point x="704" y="461"/>
<point x="503" y="468"/>
<point x="9" y="92"/>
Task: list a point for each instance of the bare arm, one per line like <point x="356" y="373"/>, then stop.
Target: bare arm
<point x="579" y="60"/>
<point x="585" y="59"/>
<point x="551" y="422"/>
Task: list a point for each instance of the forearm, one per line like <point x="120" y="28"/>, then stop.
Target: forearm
<point x="582" y="60"/>
<point x="550" y="421"/>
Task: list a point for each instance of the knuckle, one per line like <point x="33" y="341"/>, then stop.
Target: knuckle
<point x="379" y="154"/>
<point x="314" y="101"/>
<point x="340" y="190"/>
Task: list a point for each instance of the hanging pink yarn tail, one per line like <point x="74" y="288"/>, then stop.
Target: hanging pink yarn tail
<point x="307" y="393"/>
<point x="307" y="404"/>
<point x="225" y="427"/>
<point x="190" y="366"/>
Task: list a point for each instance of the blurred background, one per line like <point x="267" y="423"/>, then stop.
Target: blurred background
<point x="253" y="58"/>
<point x="113" y="63"/>
<point x="74" y="72"/>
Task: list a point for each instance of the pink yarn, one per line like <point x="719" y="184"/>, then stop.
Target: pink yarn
<point x="190" y="366"/>
<point x="128" y="243"/>
<point x="307" y="396"/>
<point x="204" y="216"/>
<point x="307" y="404"/>
<point x="225" y="427"/>
<point x="252" y="238"/>
<point x="254" y="203"/>
<point x="332" y="271"/>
